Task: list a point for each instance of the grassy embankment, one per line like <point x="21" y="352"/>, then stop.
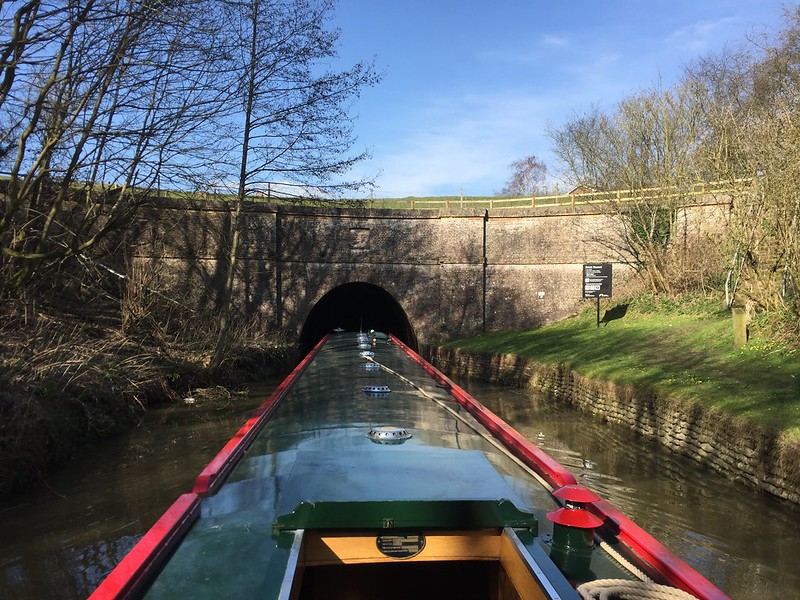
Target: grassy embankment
<point x="672" y="347"/>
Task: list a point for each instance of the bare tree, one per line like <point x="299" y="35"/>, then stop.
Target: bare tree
<point x="750" y="100"/>
<point x="527" y="177"/>
<point x="646" y="145"/>
<point x="102" y="100"/>
<point x="292" y="119"/>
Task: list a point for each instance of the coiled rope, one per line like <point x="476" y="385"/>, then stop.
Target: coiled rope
<point x="622" y="589"/>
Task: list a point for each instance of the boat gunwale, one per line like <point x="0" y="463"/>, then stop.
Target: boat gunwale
<point x="215" y="472"/>
<point x="129" y="578"/>
<point x="646" y="547"/>
<point x="142" y="563"/>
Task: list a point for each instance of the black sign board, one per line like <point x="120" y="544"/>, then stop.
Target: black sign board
<point x="597" y="280"/>
<point x="400" y="545"/>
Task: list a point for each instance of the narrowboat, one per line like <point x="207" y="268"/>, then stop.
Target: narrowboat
<point x="370" y="474"/>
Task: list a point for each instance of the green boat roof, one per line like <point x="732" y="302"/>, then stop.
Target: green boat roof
<point x="392" y="472"/>
<point x="313" y="467"/>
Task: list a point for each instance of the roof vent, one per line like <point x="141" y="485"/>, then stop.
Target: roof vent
<point x="376" y="390"/>
<point x="388" y="435"/>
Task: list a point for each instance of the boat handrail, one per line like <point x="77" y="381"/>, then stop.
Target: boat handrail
<point x="212" y="476"/>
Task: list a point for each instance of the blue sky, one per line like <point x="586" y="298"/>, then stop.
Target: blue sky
<point x="471" y="86"/>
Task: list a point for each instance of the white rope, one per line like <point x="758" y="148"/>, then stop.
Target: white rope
<point x="622" y="589"/>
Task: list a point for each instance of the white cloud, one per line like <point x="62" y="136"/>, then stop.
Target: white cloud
<point x="465" y="143"/>
<point x="555" y="41"/>
<point x="456" y="108"/>
<point x="526" y="52"/>
<point x="439" y="145"/>
<point x="698" y="37"/>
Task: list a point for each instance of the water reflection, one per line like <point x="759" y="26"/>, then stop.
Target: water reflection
<point x="61" y="539"/>
<point x="746" y="543"/>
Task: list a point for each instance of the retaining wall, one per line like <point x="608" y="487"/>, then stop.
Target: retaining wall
<point x="732" y="446"/>
<point x="454" y="272"/>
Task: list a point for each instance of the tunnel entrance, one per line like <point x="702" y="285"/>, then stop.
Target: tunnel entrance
<point x="356" y="307"/>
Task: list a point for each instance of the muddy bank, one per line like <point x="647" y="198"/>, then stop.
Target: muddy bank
<point x="740" y="450"/>
<point x="59" y="397"/>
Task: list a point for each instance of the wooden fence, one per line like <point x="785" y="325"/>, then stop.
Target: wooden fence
<point x="574" y="199"/>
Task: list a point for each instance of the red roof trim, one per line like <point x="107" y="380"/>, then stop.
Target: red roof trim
<point x="672" y="568"/>
<point x="220" y="466"/>
<point x="129" y="577"/>
<point x="556" y="475"/>
<point x="139" y="565"/>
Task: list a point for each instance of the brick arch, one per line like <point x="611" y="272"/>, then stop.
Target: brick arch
<point x="356" y="306"/>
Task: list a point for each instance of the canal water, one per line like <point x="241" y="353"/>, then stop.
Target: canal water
<point x="746" y="543"/>
<point x="59" y="540"/>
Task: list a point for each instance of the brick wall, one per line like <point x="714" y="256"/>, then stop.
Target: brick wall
<point x="454" y="272"/>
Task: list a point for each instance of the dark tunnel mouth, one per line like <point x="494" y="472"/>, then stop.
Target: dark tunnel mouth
<point x="356" y="306"/>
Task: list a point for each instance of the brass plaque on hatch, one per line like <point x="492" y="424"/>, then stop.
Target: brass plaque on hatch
<point x="400" y="545"/>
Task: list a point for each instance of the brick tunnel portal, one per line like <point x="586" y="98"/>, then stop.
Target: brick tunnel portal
<point x="356" y="306"/>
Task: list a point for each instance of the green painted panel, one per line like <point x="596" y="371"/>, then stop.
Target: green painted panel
<point x="446" y="514"/>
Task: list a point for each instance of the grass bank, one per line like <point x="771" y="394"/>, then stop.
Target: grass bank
<point x="671" y="346"/>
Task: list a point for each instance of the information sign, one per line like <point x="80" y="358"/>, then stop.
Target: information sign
<point x="597" y="280"/>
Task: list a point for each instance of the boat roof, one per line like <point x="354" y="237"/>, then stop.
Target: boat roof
<point x="306" y="461"/>
<point x="315" y="452"/>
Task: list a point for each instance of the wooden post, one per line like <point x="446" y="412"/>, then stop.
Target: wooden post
<point x="739" y="326"/>
<point x="598" y="311"/>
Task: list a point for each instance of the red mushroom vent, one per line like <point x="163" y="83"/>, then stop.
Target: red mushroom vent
<point x="575" y="493"/>
<point x="574" y="517"/>
<point x="574" y="513"/>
